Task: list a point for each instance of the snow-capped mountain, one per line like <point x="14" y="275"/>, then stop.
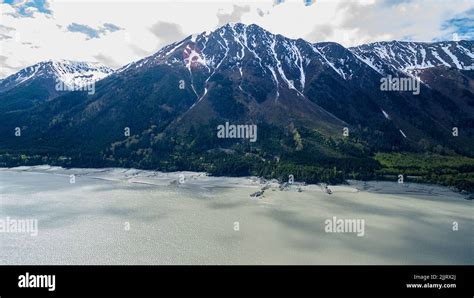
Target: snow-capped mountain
<point x="445" y="67"/>
<point x="70" y="73"/>
<point x="392" y="56"/>
<point x="233" y="47"/>
<point x="245" y="74"/>
<point x="46" y="80"/>
<point x="249" y="50"/>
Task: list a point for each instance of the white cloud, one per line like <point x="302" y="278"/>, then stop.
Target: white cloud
<point x="44" y="36"/>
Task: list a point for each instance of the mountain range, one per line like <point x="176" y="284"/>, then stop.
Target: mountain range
<point x="38" y="83"/>
<point x="319" y="107"/>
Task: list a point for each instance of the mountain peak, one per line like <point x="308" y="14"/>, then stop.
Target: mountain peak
<point x="71" y="73"/>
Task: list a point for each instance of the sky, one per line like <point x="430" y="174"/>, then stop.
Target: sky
<point x="117" y="32"/>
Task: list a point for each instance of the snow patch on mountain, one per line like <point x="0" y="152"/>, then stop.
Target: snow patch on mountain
<point x="78" y="74"/>
<point x="393" y="56"/>
<point x="387" y="116"/>
<point x="403" y="134"/>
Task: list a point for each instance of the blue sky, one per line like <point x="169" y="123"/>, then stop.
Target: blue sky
<point x="24" y="6"/>
<point x="462" y="24"/>
<point x="118" y="32"/>
<point x="93" y="32"/>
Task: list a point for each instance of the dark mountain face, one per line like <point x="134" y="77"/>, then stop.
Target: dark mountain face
<point x="259" y="73"/>
<point x="444" y="67"/>
<point x="445" y="71"/>
<point x="300" y="95"/>
<point x="224" y="75"/>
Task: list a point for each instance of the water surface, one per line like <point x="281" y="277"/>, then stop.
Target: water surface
<point x="127" y="216"/>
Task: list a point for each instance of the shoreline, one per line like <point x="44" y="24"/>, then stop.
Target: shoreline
<point x="158" y="178"/>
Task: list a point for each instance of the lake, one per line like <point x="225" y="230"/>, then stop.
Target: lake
<point x="129" y="216"/>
